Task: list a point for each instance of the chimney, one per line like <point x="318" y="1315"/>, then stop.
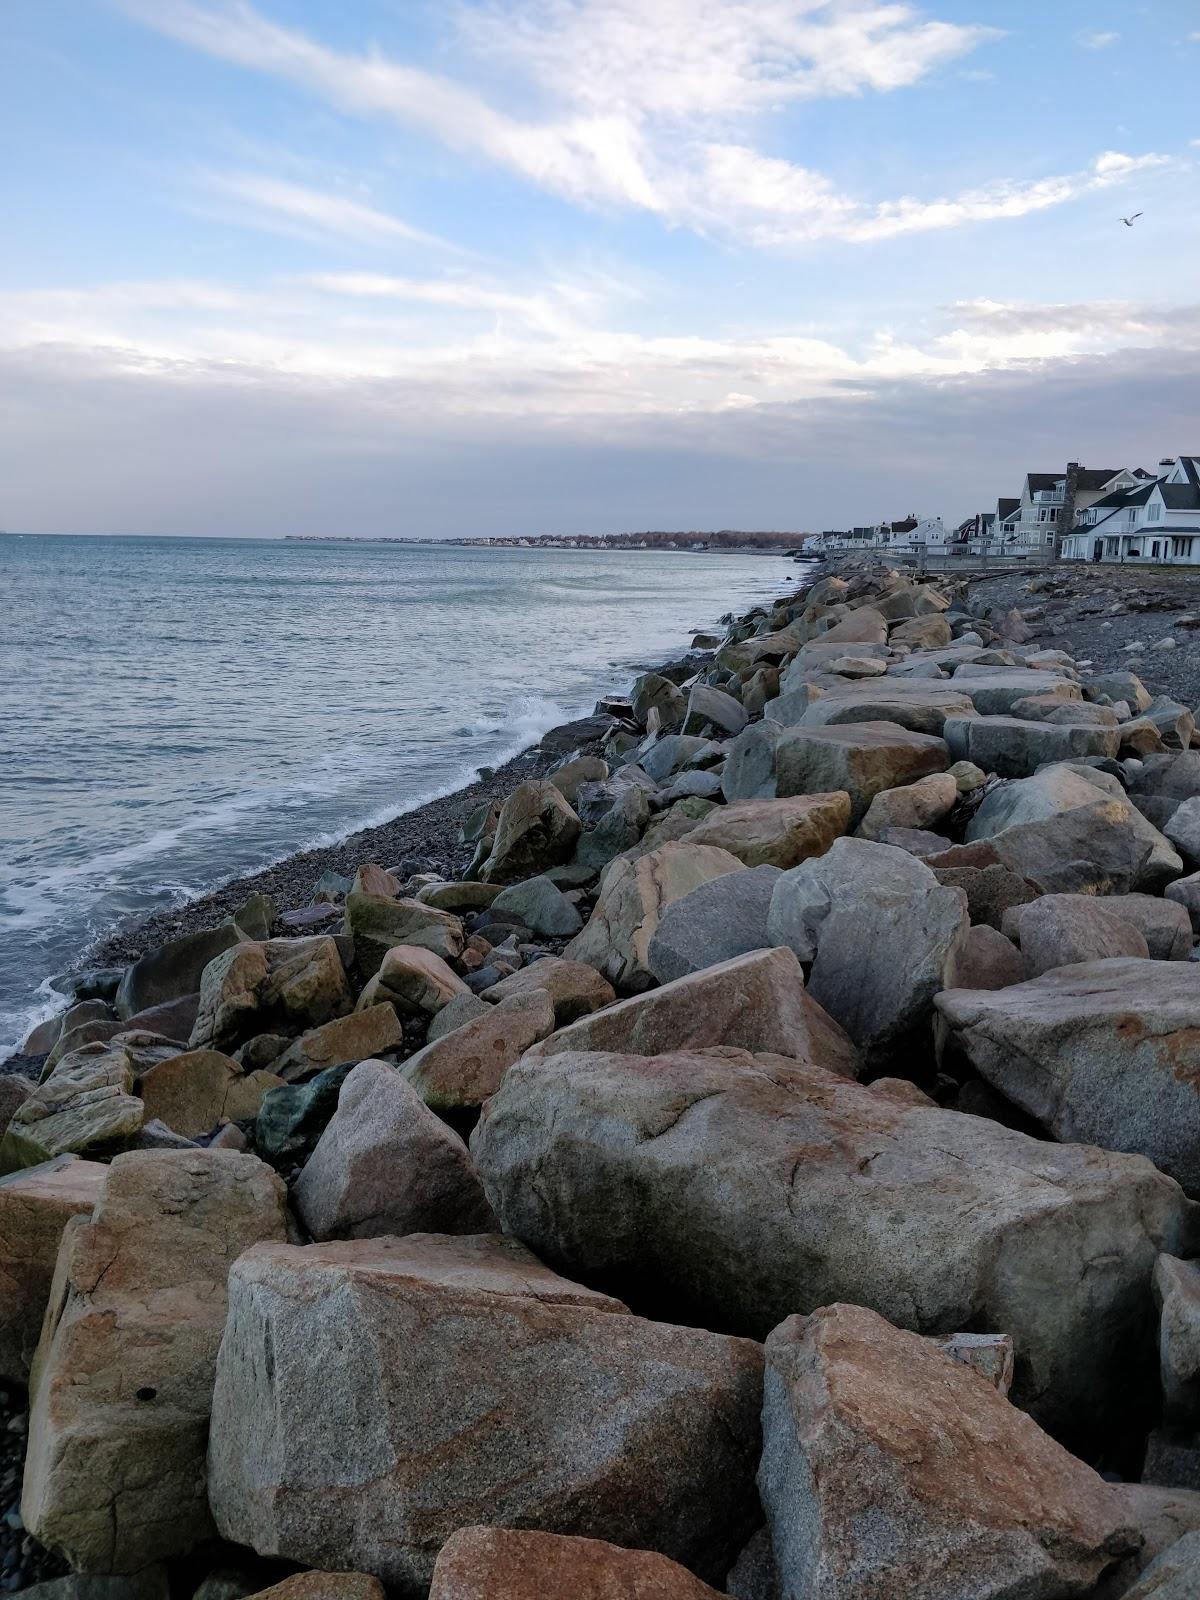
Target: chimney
<point x="1066" y="513"/>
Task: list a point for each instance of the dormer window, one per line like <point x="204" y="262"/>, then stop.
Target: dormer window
<point x="1153" y="511"/>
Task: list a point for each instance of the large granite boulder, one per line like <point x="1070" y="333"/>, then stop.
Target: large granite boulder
<point x="722" y="918"/>
<point x="35" y="1207"/>
<point x="171" y="970"/>
<point x="278" y="985"/>
<point x="122" y="1379"/>
<point x="378" y="923"/>
<point x="994" y="693"/>
<point x="733" y="1190"/>
<point x="966" y="1494"/>
<point x="1095" y="849"/>
<point x="458" y="1071"/>
<point x="913" y="703"/>
<point x="367" y="1031"/>
<point x="1061" y="930"/>
<point x="1173" y="1575"/>
<point x="775" y="833"/>
<point x="386" y="1164"/>
<point x="633" y="897"/>
<point x="453" y="1381"/>
<point x="749" y="772"/>
<point x="414" y="981"/>
<point x="851" y="912"/>
<point x="712" y="711"/>
<point x="540" y="906"/>
<point x="198" y="1090"/>
<point x="1177" y="1295"/>
<point x="85" y="1104"/>
<point x="514" y="1564"/>
<point x="537" y="829"/>
<point x="753" y="1002"/>
<point x="1050" y="795"/>
<point x="862" y="758"/>
<point x="1014" y="747"/>
<point x="1106" y="1053"/>
<point x="575" y="989"/>
<point x="1164" y="924"/>
<point x="653" y="692"/>
<point x="913" y="805"/>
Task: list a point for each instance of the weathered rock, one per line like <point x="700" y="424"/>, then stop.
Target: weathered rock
<point x="386" y="1164"/>
<point x="675" y="752"/>
<point x="1164" y="924"/>
<point x="122" y="1379"/>
<point x="914" y="805"/>
<point x="35" y="1207"/>
<point x="173" y="1019"/>
<point x="1051" y="795"/>
<point x="1177" y="1295"/>
<point x="754" y="1002"/>
<point x="775" y="833"/>
<point x="198" y="1090"/>
<point x="1183" y="830"/>
<point x="1175" y="723"/>
<point x="378" y="924"/>
<point x="1061" y="930"/>
<point x="1095" y="849"/>
<point x="1186" y="892"/>
<point x="967" y="1495"/>
<point x="512" y="1564"/>
<point x="574" y="988"/>
<point x="86" y="1103"/>
<point x="1106" y="1053"/>
<point x="1160" y="1515"/>
<point x="537" y="829"/>
<point x="541" y="907"/>
<point x="735" y="1190"/>
<point x="653" y="691"/>
<point x="587" y="1406"/>
<point x="291" y="1118"/>
<point x="862" y="758"/>
<point x="1051" y="708"/>
<point x="461" y="1069"/>
<point x="749" y="771"/>
<point x="988" y="961"/>
<point x="363" y="1033"/>
<point x="255" y="916"/>
<point x="458" y="897"/>
<point x="568" y="778"/>
<point x="14" y="1091"/>
<point x="322" y="1586"/>
<point x="1014" y="748"/>
<point x="993" y="693"/>
<point x="633" y="896"/>
<point x="463" y="1008"/>
<point x="711" y="710"/>
<point x="172" y="970"/>
<point x="1116" y="686"/>
<point x="849" y="912"/>
<point x="619" y="829"/>
<point x="913" y="703"/>
<point x="148" y="1584"/>
<point x="723" y="918"/>
<point x="990" y="890"/>
<point x="414" y="981"/>
<point x="991" y="1355"/>
<point x="280" y="985"/>
<point x="922" y="633"/>
<point x="1174" y="1575"/>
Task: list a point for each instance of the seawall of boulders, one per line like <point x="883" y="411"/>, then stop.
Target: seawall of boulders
<point x="766" y="1164"/>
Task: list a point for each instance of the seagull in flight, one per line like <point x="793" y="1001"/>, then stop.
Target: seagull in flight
<point x="1129" y="221"/>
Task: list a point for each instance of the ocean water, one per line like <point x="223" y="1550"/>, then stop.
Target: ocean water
<point x="175" y="713"/>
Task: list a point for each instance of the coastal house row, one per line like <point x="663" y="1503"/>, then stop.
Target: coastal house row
<point x="911" y="533"/>
<point x="1156" y="519"/>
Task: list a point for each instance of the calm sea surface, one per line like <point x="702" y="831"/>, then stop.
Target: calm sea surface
<point x="176" y="712"/>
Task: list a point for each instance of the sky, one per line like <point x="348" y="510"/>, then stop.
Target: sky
<point x="497" y="267"/>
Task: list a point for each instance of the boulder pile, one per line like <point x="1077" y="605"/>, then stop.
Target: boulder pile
<point x="769" y="1166"/>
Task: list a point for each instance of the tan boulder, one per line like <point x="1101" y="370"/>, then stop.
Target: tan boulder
<point x="575" y="989"/>
<point x="122" y="1380"/>
<point x="516" y="1564"/>
<point x="633" y="895"/>
<point x="86" y="1103"/>
<point x="386" y="1164"/>
<point x="1060" y="930"/>
<point x="275" y="985"/>
<point x="189" y="1091"/>
<point x="863" y="758"/>
<point x="914" y="805"/>
<point x="464" y="1067"/>
<point x="754" y="1002"/>
<point x="463" y="1382"/>
<point x="35" y="1207"/>
<point x="379" y="924"/>
<point x="537" y="829"/>
<point x="775" y="833"/>
<point x="365" y="1032"/>
<point x="324" y="1586"/>
<point x="413" y="980"/>
<point x="967" y="1495"/>
<point x="374" y="879"/>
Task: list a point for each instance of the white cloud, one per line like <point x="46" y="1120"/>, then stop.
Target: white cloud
<point x="1098" y="40"/>
<point x="274" y="203"/>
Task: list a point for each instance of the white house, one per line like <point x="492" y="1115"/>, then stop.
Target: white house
<point x="911" y="533"/>
<point x="1051" y="503"/>
<point x="1156" y="522"/>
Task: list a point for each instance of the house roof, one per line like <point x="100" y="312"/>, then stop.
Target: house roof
<point x="1180" y="496"/>
<point x="1125" y="497"/>
<point x="1044" y="480"/>
<point x="1097" y="477"/>
<point x="1006" y="507"/>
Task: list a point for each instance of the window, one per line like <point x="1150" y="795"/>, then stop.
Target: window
<point x="1110" y="547"/>
<point x="1153" y="511"/>
<point x="1132" y="516"/>
<point x="1155" y="552"/>
<point x="1182" y="547"/>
